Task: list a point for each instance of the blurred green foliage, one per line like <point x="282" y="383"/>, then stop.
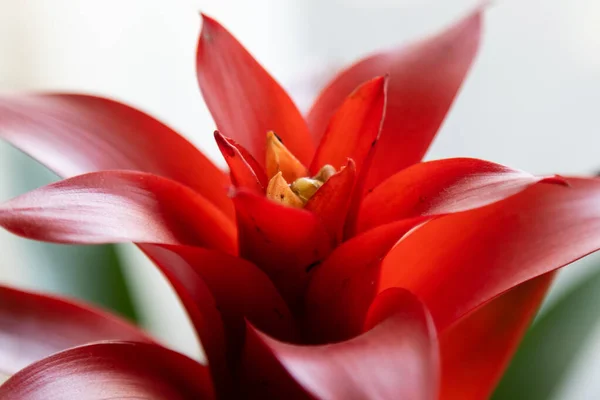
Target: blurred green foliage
<point x="91" y="273"/>
<point x="553" y="343"/>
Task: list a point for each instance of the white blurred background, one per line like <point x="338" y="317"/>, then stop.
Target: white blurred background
<point x="531" y="101"/>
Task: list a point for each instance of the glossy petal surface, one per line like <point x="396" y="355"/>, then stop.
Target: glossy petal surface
<point x="33" y="326"/>
<point x="240" y="289"/>
<point x="242" y="174"/>
<point x="286" y="243"/>
<point x="440" y="187"/>
<point x="330" y="203"/>
<point x="76" y="134"/>
<point x="458" y="262"/>
<point x="244" y="100"/>
<point x="423" y="81"/>
<point x="354" y="127"/>
<point x="476" y="350"/>
<point x="118" y="206"/>
<point x="112" y="370"/>
<point x="344" y="285"/>
<point x="396" y="359"/>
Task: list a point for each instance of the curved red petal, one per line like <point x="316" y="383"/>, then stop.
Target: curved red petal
<point x="476" y="349"/>
<point x="354" y="128"/>
<point x="440" y="187"/>
<point x="245" y="101"/>
<point x="331" y="202"/>
<point x="286" y="243"/>
<point x="242" y="174"/>
<point x="202" y="309"/>
<point x="76" y="134"/>
<point x="118" y="206"/>
<point x="344" y="285"/>
<point x="423" y="81"/>
<point x="460" y="261"/>
<point x="396" y="359"/>
<point x="240" y="289"/>
<point x="33" y="326"/>
<point x="112" y="370"/>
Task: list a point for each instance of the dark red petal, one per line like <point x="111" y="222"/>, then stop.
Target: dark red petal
<point x="477" y="348"/>
<point x="458" y="262"/>
<point x="354" y="127"/>
<point x="242" y="174"/>
<point x="112" y="370"/>
<point x="202" y="309"/>
<point x="118" y="206"/>
<point x="252" y="163"/>
<point x="343" y="286"/>
<point x="76" y="134"/>
<point x="330" y="203"/>
<point x="286" y="243"/>
<point x="33" y="326"/>
<point x="423" y="81"/>
<point x="239" y="288"/>
<point x="245" y="101"/>
<point x="396" y="359"/>
<point x="442" y="186"/>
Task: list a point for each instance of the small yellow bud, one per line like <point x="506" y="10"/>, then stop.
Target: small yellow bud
<point x="280" y="159"/>
<point x="279" y="191"/>
<point x="305" y="188"/>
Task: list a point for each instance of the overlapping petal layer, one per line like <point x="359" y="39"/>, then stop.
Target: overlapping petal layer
<point x="440" y="187"/>
<point x="423" y="81"/>
<point x="344" y="285"/>
<point x="395" y="358"/>
<point x="75" y="134"/>
<point x="458" y="262"/>
<point x="286" y="243"/>
<point x="33" y="326"/>
<point x="476" y="349"/>
<point x="354" y="128"/>
<point x="112" y="370"/>
<point x="244" y="100"/>
<point x="118" y="206"/>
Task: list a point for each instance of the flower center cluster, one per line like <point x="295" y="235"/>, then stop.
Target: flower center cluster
<point x="283" y="167"/>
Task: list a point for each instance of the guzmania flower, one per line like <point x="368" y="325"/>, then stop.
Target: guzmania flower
<point x="330" y="262"/>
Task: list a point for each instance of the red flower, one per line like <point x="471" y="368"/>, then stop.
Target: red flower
<point x="312" y="297"/>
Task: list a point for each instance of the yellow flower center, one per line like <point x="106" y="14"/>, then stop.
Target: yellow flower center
<point x="282" y="167"/>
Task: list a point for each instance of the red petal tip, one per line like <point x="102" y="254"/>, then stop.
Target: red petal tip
<point x="556" y="180"/>
<point x="209" y="26"/>
<point x="224" y="145"/>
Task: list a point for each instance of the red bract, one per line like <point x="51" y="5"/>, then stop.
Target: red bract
<point x="340" y="266"/>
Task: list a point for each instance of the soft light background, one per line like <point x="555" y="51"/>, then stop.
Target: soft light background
<point x="531" y="100"/>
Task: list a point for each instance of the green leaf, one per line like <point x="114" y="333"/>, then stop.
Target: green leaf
<point x="555" y="340"/>
<point x="90" y="273"/>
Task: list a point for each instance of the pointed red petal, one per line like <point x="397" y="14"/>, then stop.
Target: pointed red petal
<point x="242" y="174"/>
<point x="396" y="359"/>
<point x="439" y="187"/>
<point x="458" y="262"/>
<point x="478" y="347"/>
<point x="286" y="243"/>
<point x="239" y="288"/>
<point x="423" y="81"/>
<point x="330" y="203"/>
<point x="245" y="101"/>
<point x="112" y="370"/>
<point x="252" y="163"/>
<point x="118" y="206"/>
<point x="343" y="286"/>
<point x="77" y="134"/>
<point x="35" y="325"/>
<point x="354" y="127"/>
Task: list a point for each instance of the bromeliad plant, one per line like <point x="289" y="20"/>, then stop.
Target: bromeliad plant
<point x="331" y="263"/>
